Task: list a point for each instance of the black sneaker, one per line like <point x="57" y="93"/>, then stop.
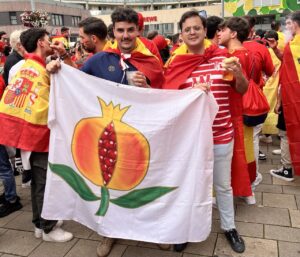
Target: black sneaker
<point x="235" y="240"/>
<point x="180" y="247"/>
<point x="2" y="198"/>
<point x="283" y="173"/>
<point x="262" y="156"/>
<point x="7" y="207"/>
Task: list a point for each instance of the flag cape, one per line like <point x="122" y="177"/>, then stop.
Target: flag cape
<point x="270" y="91"/>
<point x="143" y="60"/>
<point x="147" y="153"/>
<point x="240" y="175"/>
<point x="290" y="86"/>
<point x="181" y="64"/>
<point x="24" y="108"/>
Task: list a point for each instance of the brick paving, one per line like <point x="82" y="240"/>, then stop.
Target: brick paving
<point x="271" y="228"/>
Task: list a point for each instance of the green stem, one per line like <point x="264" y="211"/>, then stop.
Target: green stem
<point x="104" y="202"/>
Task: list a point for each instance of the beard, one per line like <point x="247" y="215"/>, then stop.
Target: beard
<point x="89" y="49"/>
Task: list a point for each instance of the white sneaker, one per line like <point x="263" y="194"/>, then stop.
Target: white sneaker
<point x="264" y="138"/>
<point x="38" y="232"/>
<point x="57" y="235"/>
<point x="257" y="180"/>
<point x="26" y="185"/>
<point x="276" y="152"/>
<point x="249" y="199"/>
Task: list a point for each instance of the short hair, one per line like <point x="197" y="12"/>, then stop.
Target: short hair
<point x="275" y="25"/>
<point x="295" y="16"/>
<point x="260" y="32"/>
<point x="15" y="38"/>
<point x="110" y="31"/>
<point x="175" y="38"/>
<point x="190" y="14"/>
<point x="2" y="33"/>
<point x="94" y="26"/>
<point x="251" y="20"/>
<point x="271" y="34"/>
<point x="212" y="24"/>
<point x="238" y="25"/>
<point x="152" y="34"/>
<point x="125" y="14"/>
<point x="64" y="29"/>
<point x="30" y="37"/>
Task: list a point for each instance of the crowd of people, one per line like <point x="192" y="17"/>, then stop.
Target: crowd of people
<point x="222" y="57"/>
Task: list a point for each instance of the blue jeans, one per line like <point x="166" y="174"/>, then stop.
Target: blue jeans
<point x="7" y="175"/>
<point x="222" y="184"/>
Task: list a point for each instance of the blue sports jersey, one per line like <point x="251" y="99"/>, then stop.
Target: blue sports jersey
<point x="107" y="66"/>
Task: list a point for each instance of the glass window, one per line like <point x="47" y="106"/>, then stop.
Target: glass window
<point x="75" y="20"/>
<point x="57" y="20"/>
<point x="13" y="18"/>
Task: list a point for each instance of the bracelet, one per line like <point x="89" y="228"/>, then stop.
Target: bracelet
<point x="64" y="56"/>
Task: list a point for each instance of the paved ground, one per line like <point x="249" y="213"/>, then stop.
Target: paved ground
<point x="271" y="228"/>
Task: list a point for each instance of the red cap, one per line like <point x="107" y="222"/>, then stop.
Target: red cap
<point x="160" y="42"/>
<point x="141" y="21"/>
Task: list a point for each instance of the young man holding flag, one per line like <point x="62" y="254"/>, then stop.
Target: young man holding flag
<point x="198" y="64"/>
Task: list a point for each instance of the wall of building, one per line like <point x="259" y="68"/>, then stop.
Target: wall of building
<point x="66" y="10"/>
<point x="160" y="18"/>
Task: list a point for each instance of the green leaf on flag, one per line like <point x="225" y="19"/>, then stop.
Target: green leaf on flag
<point x="74" y="180"/>
<point x="140" y="197"/>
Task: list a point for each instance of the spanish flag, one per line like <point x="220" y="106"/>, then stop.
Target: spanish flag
<point x="24" y="108"/>
<point x="290" y="88"/>
<point x="143" y="60"/>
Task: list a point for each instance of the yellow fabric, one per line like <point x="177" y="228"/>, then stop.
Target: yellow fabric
<point x="249" y="146"/>
<point x="183" y="49"/>
<point x="281" y="41"/>
<point x="27" y="95"/>
<point x="270" y="91"/>
<point x="140" y="47"/>
<point x="295" y="49"/>
<point x="63" y="40"/>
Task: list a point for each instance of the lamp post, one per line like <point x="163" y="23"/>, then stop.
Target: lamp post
<point x="32" y="5"/>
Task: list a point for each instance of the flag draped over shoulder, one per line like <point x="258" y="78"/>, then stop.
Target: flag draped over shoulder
<point x="24" y="108"/>
<point x="129" y="162"/>
<point x="143" y="60"/>
<point x="270" y="91"/>
<point x="181" y="64"/>
<point x="290" y="88"/>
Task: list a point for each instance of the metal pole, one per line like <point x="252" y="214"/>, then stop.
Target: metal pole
<point x="32" y="5"/>
<point x="222" y="8"/>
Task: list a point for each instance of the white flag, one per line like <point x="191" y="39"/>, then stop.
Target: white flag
<point x="130" y="162"/>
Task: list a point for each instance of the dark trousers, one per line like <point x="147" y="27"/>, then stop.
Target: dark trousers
<point x="7" y="175"/>
<point x="39" y="163"/>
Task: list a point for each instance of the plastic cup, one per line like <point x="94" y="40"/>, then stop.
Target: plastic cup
<point x="129" y="77"/>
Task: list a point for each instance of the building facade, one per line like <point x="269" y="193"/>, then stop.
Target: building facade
<point x="60" y="14"/>
<point x="160" y="15"/>
<point x="264" y="10"/>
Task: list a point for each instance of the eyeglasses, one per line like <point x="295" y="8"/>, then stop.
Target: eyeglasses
<point x="195" y="29"/>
